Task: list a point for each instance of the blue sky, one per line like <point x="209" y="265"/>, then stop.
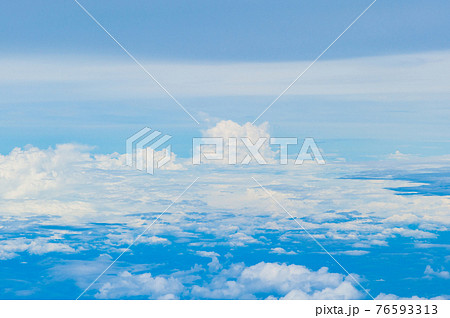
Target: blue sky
<point x="51" y="99"/>
<point x="236" y="31"/>
<point x="376" y="104"/>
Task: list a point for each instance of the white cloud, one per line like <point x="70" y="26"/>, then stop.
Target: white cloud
<point x="280" y="250"/>
<point x="27" y="173"/>
<point x="277" y="280"/>
<point x="412" y="233"/>
<point x="83" y="272"/>
<point x="214" y="265"/>
<point x="227" y="129"/>
<point x="430" y="272"/>
<point x="80" y="187"/>
<point x="70" y="182"/>
<point x="406" y="77"/>
<point x="127" y="285"/>
<point x="403" y="219"/>
<point x="241" y="239"/>
<point x="345" y="290"/>
<point x="70" y="185"/>
<point x="10" y="248"/>
<point x="431" y="245"/>
<point x="383" y="296"/>
<point x="352" y="252"/>
<point x="235" y="282"/>
<point x="128" y="238"/>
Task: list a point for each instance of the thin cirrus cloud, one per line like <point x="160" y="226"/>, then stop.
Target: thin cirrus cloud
<point x="409" y="77"/>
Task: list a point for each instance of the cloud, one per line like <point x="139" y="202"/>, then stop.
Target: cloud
<point x="108" y="204"/>
<point x="128" y="285"/>
<point x="241" y="239"/>
<point x="226" y="129"/>
<point x="82" y="272"/>
<point x="74" y="186"/>
<point x="403" y="219"/>
<point x="403" y="77"/>
<point x="10" y="248"/>
<point x="30" y="172"/>
<point x="345" y="290"/>
<point x="431" y="245"/>
<point x="237" y="281"/>
<point x="352" y="252"/>
<point x="68" y="181"/>
<point x="383" y="296"/>
<point x="280" y="250"/>
<point x="430" y="272"/>
<point x="277" y="280"/>
<point x="128" y="238"/>
<point x="214" y="265"/>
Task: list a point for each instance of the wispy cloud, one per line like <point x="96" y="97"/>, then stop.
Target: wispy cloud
<point x="419" y="76"/>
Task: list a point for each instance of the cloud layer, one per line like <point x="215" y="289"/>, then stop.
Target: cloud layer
<point x="71" y="202"/>
<point x="403" y="77"/>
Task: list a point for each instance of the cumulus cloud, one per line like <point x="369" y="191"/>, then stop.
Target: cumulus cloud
<point x="214" y="265"/>
<point x="128" y="238"/>
<point x="277" y="280"/>
<point x="263" y="280"/>
<point x="244" y="136"/>
<point x="27" y="173"/>
<point x="430" y="272"/>
<point x="127" y="285"/>
<point x="69" y="181"/>
<point x="280" y="250"/>
<point x="10" y="248"/>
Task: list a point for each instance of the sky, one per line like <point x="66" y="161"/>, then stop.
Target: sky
<point x="376" y="104"/>
<point x="65" y="80"/>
